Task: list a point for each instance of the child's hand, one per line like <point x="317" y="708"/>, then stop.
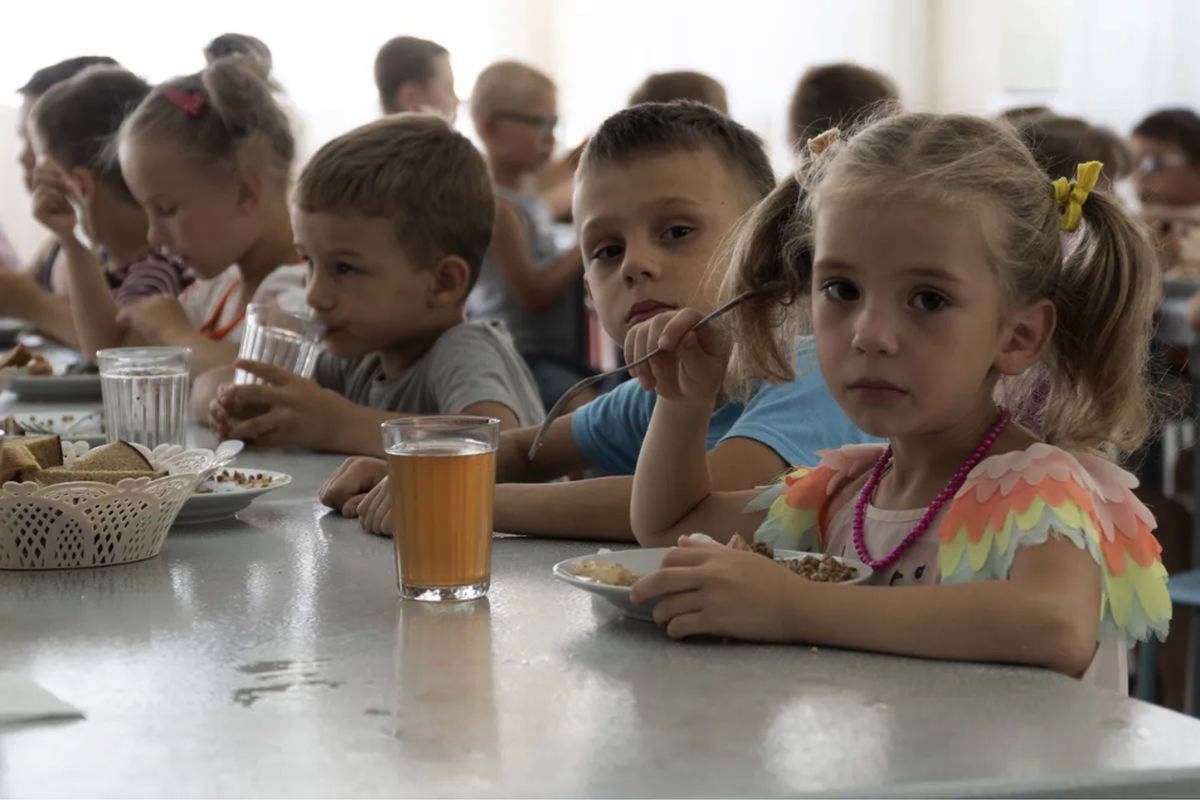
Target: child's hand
<point x="52" y="194"/>
<point x="159" y="319"/>
<point x="375" y="510"/>
<point x="351" y="482"/>
<point x="692" y="366"/>
<point x="298" y="411"/>
<point x="722" y="592"/>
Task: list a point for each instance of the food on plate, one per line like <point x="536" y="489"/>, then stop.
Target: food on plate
<point x="20" y="356"/>
<point x="823" y="569"/>
<point x="243" y="480"/>
<point x="39" y="459"/>
<point x="605" y="572"/>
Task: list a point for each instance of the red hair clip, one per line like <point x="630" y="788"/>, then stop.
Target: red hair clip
<point x="192" y="104"/>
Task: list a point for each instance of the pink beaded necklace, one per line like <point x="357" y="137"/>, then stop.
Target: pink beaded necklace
<point x="860" y="508"/>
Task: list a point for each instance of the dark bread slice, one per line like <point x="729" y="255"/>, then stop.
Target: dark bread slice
<point x="46" y="449"/>
<point x="113" y="457"/>
<point x="55" y="475"/>
<point x="19" y="356"/>
<point x="15" y="460"/>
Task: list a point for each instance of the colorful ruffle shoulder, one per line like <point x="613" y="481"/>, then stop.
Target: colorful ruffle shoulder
<point x="1008" y="501"/>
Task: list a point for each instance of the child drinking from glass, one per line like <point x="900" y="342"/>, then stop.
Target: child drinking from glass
<point x="942" y="269"/>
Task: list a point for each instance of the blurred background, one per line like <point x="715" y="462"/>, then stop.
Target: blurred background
<point x="1109" y="61"/>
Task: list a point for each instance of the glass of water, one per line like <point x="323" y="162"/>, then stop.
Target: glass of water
<point x="281" y="338"/>
<point x="146" y="392"/>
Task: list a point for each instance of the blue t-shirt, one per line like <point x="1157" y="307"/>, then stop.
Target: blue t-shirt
<point x="795" y="420"/>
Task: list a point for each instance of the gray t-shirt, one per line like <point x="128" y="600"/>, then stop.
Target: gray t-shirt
<point x="473" y="362"/>
<point x="559" y="331"/>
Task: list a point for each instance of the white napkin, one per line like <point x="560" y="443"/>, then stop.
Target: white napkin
<point x="22" y="700"/>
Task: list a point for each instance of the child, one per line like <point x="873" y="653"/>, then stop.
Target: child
<point x="1060" y="143"/>
<point x="836" y="94"/>
<point x="665" y="87"/>
<point x="393" y="219"/>
<point x="660" y="186"/>
<point x="46" y="270"/>
<point x="73" y="126"/>
<point x="930" y="249"/>
<point x="414" y="74"/>
<point x="528" y="282"/>
<point x="208" y="157"/>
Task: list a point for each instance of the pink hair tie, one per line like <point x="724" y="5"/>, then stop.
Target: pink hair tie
<point x="191" y="103"/>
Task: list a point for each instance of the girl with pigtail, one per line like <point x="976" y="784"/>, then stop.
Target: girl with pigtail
<point x="948" y="285"/>
<point x="209" y="158"/>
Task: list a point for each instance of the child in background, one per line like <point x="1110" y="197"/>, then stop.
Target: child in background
<point x="666" y="87"/>
<point x="555" y="181"/>
<point x="208" y="157"/>
<point x="228" y="45"/>
<point x="394" y="219"/>
<point x="836" y="94"/>
<point x="929" y="252"/>
<point x="73" y="127"/>
<point x="1059" y="144"/>
<point x="528" y="282"/>
<point x="46" y="270"/>
<point x="414" y="74"/>
<point x="660" y="188"/>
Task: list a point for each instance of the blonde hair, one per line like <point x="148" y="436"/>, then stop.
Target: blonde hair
<point x="415" y="171"/>
<point x="508" y="86"/>
<point x="1103" y="290"/>
<point x="235" y="119"/>
<point x="833" y="95"/>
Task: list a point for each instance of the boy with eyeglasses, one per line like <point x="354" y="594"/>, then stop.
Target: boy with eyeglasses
<point x="528" y="280"/>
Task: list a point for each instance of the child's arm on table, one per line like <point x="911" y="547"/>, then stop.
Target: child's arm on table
<point x="299" y="412"/>
<point x="534" y="290"/>
<point x="1046" y="614"/>
<point x="48" y="313"/>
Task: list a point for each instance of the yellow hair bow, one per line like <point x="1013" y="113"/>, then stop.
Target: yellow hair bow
<point x="1071" y="195"/>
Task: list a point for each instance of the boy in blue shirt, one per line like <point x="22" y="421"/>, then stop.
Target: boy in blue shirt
<point x="659" y="189"/>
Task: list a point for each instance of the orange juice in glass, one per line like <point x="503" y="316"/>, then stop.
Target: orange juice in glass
<point x="442" y="474"/>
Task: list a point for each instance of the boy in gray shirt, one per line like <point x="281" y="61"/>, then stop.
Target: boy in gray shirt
<point x="394" y="219"/>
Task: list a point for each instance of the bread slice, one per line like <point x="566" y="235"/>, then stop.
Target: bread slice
<point x="55" y="475"/>
<point x="14" y="461"/>
<point x="113" y="457"/>
<point x="46" y="449"/>
<point x="19" y="356"/>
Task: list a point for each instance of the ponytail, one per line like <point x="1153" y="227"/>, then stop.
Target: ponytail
<point x="1097" y="361"/>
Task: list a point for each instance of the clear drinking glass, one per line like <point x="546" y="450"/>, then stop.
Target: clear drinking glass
<point x="443" y="478"/>
<point x="146" y="392"/>
<point x="281" y="338"/>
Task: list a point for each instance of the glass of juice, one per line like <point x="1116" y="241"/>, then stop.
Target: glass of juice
<point x="442" y="474"/>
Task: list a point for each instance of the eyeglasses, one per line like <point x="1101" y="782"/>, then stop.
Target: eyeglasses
<point x="545" y="123"/>
<point x="1154" y="162"/>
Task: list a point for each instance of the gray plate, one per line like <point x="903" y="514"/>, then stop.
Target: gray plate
<point x="10" y="329"/>
<point x="56" y="388"/>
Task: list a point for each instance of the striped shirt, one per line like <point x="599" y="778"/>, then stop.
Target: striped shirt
<point x="151" y="275"/>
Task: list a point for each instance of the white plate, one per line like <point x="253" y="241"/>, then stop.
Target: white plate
<point x="55" y="388"/>
<point x="90" y="431"/>
<point x="226" y="499"/>
<point x="644" y="561"/>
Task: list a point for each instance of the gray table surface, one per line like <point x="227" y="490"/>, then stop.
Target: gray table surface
<point x="270" y="656"/>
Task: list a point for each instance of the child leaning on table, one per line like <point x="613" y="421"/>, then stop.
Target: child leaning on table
<point x="929" y="251"/>
<point x="73" y="126"/>
<point x="393" y="218"/>
<point x="659" y="188"/>
<point x="208" y="156"/>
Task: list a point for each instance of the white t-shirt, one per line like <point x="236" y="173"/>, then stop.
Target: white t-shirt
<point x="214" y="308"/>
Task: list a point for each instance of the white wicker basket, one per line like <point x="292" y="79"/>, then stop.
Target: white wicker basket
<point x="86" y="524"/>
